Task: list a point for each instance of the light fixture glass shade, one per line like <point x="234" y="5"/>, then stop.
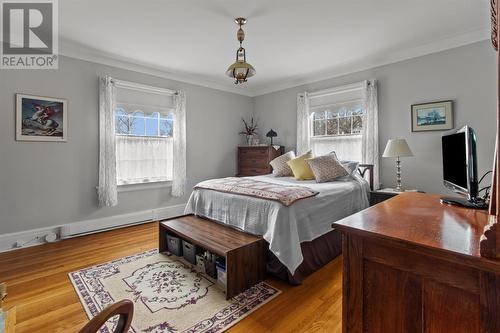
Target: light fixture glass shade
<point x="238" y="70"/>
<point x="397" y="147"/>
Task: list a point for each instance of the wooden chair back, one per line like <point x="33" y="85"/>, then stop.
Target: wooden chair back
<point x="124" y="309"/>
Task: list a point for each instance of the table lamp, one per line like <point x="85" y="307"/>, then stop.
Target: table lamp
<point x="397" y="148"/>
<point x="271" y="134"/>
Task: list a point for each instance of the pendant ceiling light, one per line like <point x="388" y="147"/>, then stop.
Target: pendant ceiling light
<point x="240" y="70"/>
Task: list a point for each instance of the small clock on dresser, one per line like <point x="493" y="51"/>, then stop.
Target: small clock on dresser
<point x="254" y="160"/>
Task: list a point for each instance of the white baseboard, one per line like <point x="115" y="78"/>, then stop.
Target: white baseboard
<point x="112" y="222"/>
<point x="37" y="236"/>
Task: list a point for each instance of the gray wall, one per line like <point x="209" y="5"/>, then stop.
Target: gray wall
<point x="45" y="184"/>
<point x="465" y="75"/>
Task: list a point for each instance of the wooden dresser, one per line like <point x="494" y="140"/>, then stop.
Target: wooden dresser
<point x="254" y="160"/>
<point x="412" y="264"/>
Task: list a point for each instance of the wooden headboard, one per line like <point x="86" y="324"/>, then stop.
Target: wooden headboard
<point x="363" y="169"/>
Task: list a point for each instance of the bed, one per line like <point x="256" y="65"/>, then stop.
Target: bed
<point x="300" y="236"/>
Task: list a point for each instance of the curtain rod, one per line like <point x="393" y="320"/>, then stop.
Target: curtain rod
<point x="320" y="106"/>
<point x="143" y="87"/>
<point x="170" y="108"/>
<point x="337" y="90"/>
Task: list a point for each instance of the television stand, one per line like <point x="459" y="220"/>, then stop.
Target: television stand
<point x="476" y="203"/>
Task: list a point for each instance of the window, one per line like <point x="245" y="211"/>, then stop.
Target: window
<point x="343" y="122"/>
<point x="337" y="127"/>
<point x="343" y="119"/>
<point x="142" y="137"/>
<point x="144" y="124"/>
<point x="139" y="124"/>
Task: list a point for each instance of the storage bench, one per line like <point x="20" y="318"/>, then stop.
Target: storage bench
<point x="245" y="254"/>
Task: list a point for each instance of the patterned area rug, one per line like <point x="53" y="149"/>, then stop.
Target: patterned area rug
<point x="169" y="294"/>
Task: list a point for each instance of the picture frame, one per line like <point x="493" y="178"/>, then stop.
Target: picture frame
<point x="433" y="116"/>
<point x="40" y="118"/>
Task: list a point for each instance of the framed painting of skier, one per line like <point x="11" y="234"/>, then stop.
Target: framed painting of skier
<point x="41" y="118"/>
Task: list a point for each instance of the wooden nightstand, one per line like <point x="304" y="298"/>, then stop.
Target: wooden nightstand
<point x="377" y="196"/>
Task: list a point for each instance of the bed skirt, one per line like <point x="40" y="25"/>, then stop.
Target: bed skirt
<point x="316" y="253"/>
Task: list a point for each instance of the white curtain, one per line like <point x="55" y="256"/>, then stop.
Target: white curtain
<point x="369" y="146"/>
<point x="303" y="124"/>
<point x="179" y="162"/>
<point x="347" y="148"/>
<point x="143" y="159"/>
<point x="107" y="192"/>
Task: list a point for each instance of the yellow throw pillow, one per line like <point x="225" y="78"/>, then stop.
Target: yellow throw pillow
<point x="301" y="170"/>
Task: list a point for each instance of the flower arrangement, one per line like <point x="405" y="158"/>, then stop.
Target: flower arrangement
<point x="250" y="129"/>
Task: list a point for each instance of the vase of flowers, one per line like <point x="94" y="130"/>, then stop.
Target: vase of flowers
<point x="250" y="131"/>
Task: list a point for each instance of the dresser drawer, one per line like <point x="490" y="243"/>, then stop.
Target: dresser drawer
<point x="249" y="171"/>
<point x="245" y="152"/>
<point x="253" y="162"/>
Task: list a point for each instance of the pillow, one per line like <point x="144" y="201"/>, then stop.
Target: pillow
<point x="300" y="168"/>
<point x="280" y="167"/>
<point x="326" y="168"/>
<point x="350" y="166"/>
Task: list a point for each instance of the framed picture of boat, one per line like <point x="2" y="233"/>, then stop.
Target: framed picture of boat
<point x="435" y="116"/>
<point x="41" y="118"/>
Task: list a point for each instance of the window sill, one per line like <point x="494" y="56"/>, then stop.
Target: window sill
<point x="143" y="186"/>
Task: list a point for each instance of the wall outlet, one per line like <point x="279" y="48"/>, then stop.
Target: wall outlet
<point x="50" y="237"/>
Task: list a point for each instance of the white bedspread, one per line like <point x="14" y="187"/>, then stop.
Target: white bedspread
<point x="284" y="228"/>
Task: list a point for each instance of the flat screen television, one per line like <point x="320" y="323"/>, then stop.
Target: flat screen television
<point x="460" y="168"/>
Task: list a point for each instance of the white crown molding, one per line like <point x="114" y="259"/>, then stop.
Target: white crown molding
<point x="362" y="65"/>
<point x="77" y="51"/>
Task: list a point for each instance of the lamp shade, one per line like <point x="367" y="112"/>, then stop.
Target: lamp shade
<point x="271" y="134"/>
<point x="397" y="147"/>
<point x="240" y="70"/>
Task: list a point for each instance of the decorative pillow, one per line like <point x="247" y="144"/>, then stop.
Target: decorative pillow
<point x="300" y="168"/>
<point x="326" y="168"/>
<point x="350" y="166"/>
<point x="280" y="166"/>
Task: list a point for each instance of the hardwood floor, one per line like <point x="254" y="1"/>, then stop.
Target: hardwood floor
<point x="39" y="287"/>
